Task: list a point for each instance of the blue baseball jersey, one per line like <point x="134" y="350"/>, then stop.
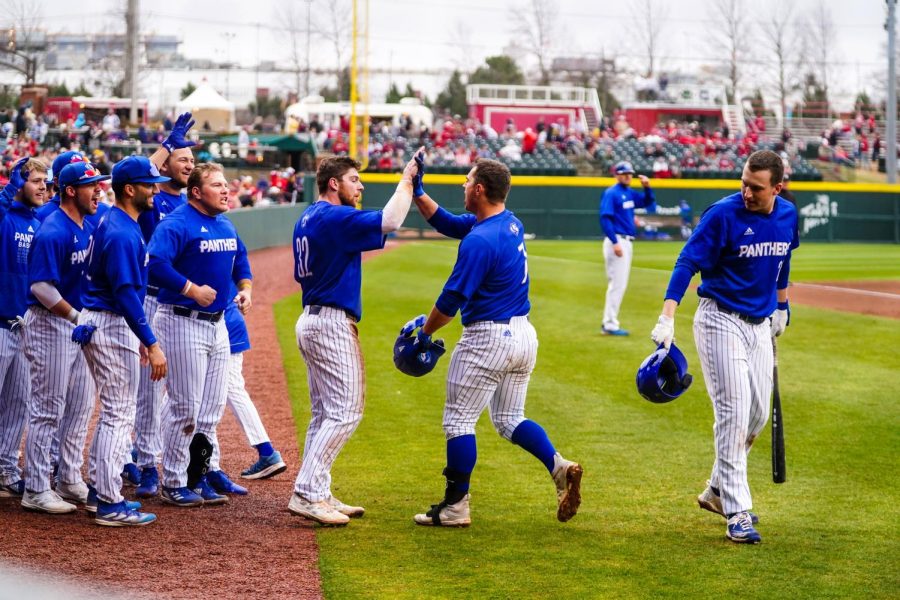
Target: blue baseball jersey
<point x="743" y="257"/>
<point x="117" y="258"/>
<point x="328" y="242"/>
<point x="59" y="255"/>
<point x="617" y="209"/>
<point x="491" y="270"/>
<point x="17" y="229"/>
<point x="53" y="205"/>
<point x="238" y="336"/>
<point x="164" y="204"/>
<point x="199" y="248"/>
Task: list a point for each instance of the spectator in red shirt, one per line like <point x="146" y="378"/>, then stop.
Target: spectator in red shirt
<point x="529" y="141"/>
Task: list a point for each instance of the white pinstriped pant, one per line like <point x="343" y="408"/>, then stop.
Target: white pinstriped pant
<point x="618" y="268"/>
<point x="737" y="362"/>
<point x="490" y="368"/>
<point x="15" y="390"/>
<point x="329" y="343"/>
<point x="197" y="352"/>
<point x="147" y="442"/>
<point x="62" y="399"/>
<point x="238" y="400"/>
<point x="114" y="360"/>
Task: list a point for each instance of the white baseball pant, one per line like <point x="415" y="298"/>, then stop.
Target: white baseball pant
<point x="618" y="268"/>
<point x="238" y="400"/>
<point x="197" y="352"/>
<point x="62" y="400"/>
<point x="329" y="344"/>
<point x="737" y="362"/>
<point x="490" y="368"/>
<point x="15" y="390"/>
<point x="147" y="442"/>
<point x="114" y="359"/>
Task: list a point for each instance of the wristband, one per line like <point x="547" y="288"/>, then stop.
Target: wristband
<point x="187" y="288"/>
<point x="245" y="285"/>
<point x="72" y="316"/>
<point x="783" y="305"/>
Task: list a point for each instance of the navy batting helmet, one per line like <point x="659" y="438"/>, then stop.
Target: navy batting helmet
<point x="663" y="375"/>
<point x="416" y="358"/>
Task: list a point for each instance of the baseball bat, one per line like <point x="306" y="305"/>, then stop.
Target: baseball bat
<point x="779" y="473"/>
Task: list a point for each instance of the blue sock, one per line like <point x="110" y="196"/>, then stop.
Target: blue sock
<point x="461" y="456"/>
<point x="265" y="449"/>
<point x="533" y="438"/>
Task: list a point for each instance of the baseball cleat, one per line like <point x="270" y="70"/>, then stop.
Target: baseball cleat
<point x="220" y="482"/>
<point x="267" y="466"/>
<point x="13" y="490"/>
<point x="90" y="504"/>
<point x="616" y="332"/>
<point x="353" y="512"/>
<point x="77" y="493"/>
<point x="740" y="529"/>
<point x="149" y="486"/>
<point x="320" y="512"/>
<point x="446" y="515"/>
<point x="209" y="495"/>
<point x="47" y="502"/>
<point x="131" y="475"/>
<point x="120" y="515"/>
<point x="567" y="477"/>
<point x="711" y="501"/>
<point x="181" y="496"/>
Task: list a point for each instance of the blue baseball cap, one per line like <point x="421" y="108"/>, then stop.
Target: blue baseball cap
<point x="79" y="173"/>
<point x="136" y="169"/>
<point x="623" y="168"/>
<point x="60" y="162"/>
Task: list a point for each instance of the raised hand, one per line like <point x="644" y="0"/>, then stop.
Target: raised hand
<point x="178" y="136"/>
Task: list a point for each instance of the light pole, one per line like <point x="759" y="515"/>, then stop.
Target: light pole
<point x="229" y="35"/>
<point x="308" y="35"/>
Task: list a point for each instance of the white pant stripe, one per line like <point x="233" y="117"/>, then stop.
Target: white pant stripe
<point x="238" y="400"/>
<point x="147" y="442"/>
<point x="15" y="390"/>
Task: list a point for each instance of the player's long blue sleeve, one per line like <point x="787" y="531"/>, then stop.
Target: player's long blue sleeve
<point x="700" y="252"/>
<point x="449" y="302"/>
<point x="164" y="275"/>
<point x="6" y="200"/>
<point x="609" y="227"/>
<point x="649" y="200"/>
<point x="784" y="273"/>
<point x="453" y="226"/>
<point x="133" y="309"/>
<point x="241" y="269"/>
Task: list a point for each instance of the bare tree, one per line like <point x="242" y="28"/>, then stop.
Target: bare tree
<point x="649" y="17"/>
<point x="461" y="38"/>
<point x="26" y="17"/>
<point x="783" y="49"/>
<point x="535" y="24"/>
<point x="334" y="26"/>
<point x="823" y="43"/>
<point x="292" y="17"/>
<point x="731" y="35"/>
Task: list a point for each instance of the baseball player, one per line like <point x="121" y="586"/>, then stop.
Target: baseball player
<point x="617" y="221"/>
<point x="742" y="247"/>
<point x="112" y="294"/>
<point x="177" y="166"/>
<point x="62" y="391"/>
<point x="238" y="400"/>
<point x="59" y="163"/>
<point x="26" y="190"/>
<point x="492" y="363"/>
<point x="194" y="258"/>
<point x="329" y="238"/>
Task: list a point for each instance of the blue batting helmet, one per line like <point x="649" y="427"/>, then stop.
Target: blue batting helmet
<point x="663" y="375"/>
<point x="412" y="358"/>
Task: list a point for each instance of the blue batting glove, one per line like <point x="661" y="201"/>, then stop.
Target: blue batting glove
<point x="81" y="335"/>
<point x="18" y="176"/>
<point x="418" y="184"/>
<point x="423" y="341"/>
<point x="412" y="325"/>
<point x="178" y="137"/>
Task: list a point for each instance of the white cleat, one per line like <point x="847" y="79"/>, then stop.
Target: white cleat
<point x="320" y="512"/>
<point x="77" y="493"/>
<point x="46" y="502"/>
<point x="354" y="512"/>
<point x="446" y="515"/>
<point x="567" y="477"/>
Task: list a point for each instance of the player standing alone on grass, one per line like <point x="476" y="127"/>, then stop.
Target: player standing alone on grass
<point x="742" y="248"/>
<point x="492" y="363"/>
<point x="328" y="241"/>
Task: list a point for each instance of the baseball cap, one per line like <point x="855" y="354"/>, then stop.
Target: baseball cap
<point x="136" y="169"/>
<point x="60" y="162"/>
<point x="624" y="167"/>
<point x="79" y="173"/>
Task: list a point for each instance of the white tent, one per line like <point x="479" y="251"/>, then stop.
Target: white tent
<point x="208" y="105"/>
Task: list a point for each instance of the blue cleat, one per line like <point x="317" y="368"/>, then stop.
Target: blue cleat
<point x="119" y="515"/>
<point x="149" y="486"/>
<point x="265" y="467"/>
<point x="91" y="504"/>
<point x="222" y="484"/>
<point x="182" y="496"/>
<point x="209" y="495"/>
<point x="617" y="332"/>
<point x="740" y="529"/>
<point x="131" y="475"/>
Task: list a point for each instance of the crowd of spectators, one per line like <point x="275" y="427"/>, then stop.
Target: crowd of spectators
<point x="852" y="143"/>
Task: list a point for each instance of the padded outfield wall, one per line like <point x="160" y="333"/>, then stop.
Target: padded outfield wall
<point x="566" y="207"/>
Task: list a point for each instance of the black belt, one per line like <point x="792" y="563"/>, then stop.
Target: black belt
<point x="630" y="238"/>
<point x="315" y="309"/>
<point x="742" y="317"/>
<point x="153" y="290"/>
<point x="183" y="311"/>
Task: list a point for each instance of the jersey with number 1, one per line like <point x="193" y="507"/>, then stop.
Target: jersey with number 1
<point x="328" y="242"/>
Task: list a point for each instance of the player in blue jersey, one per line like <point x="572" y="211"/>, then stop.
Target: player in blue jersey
<point x="492" y="363"/>
<point x="742" y="248"/>
<point x="329" y="238"/>
<point x="617" y="221"/>
<point x="194" y="259"/>
<point x="62" y="390"/>
<point x="60" y="163"/>
<point x="113" y="291"/>
<point x="26" y="190"/>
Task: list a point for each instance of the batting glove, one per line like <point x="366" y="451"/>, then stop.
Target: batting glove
<point x="664" y="332"/>
<point x="418" y="185"/>
<point x="781" y="318"/>
<point x="16" y="324"/>
<point x="81" y="335"/>
<point x="178" y="137"/>
<point x="17" y="176"/>
<point x="412" y="325"/>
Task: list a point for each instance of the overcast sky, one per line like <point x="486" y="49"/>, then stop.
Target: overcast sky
<point x="422" y="34"/>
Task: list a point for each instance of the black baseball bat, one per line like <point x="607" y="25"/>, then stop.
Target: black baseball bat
<point x="779" y="474"/>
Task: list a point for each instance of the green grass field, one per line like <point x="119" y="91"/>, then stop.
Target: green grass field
<point x="826" y="532"/>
